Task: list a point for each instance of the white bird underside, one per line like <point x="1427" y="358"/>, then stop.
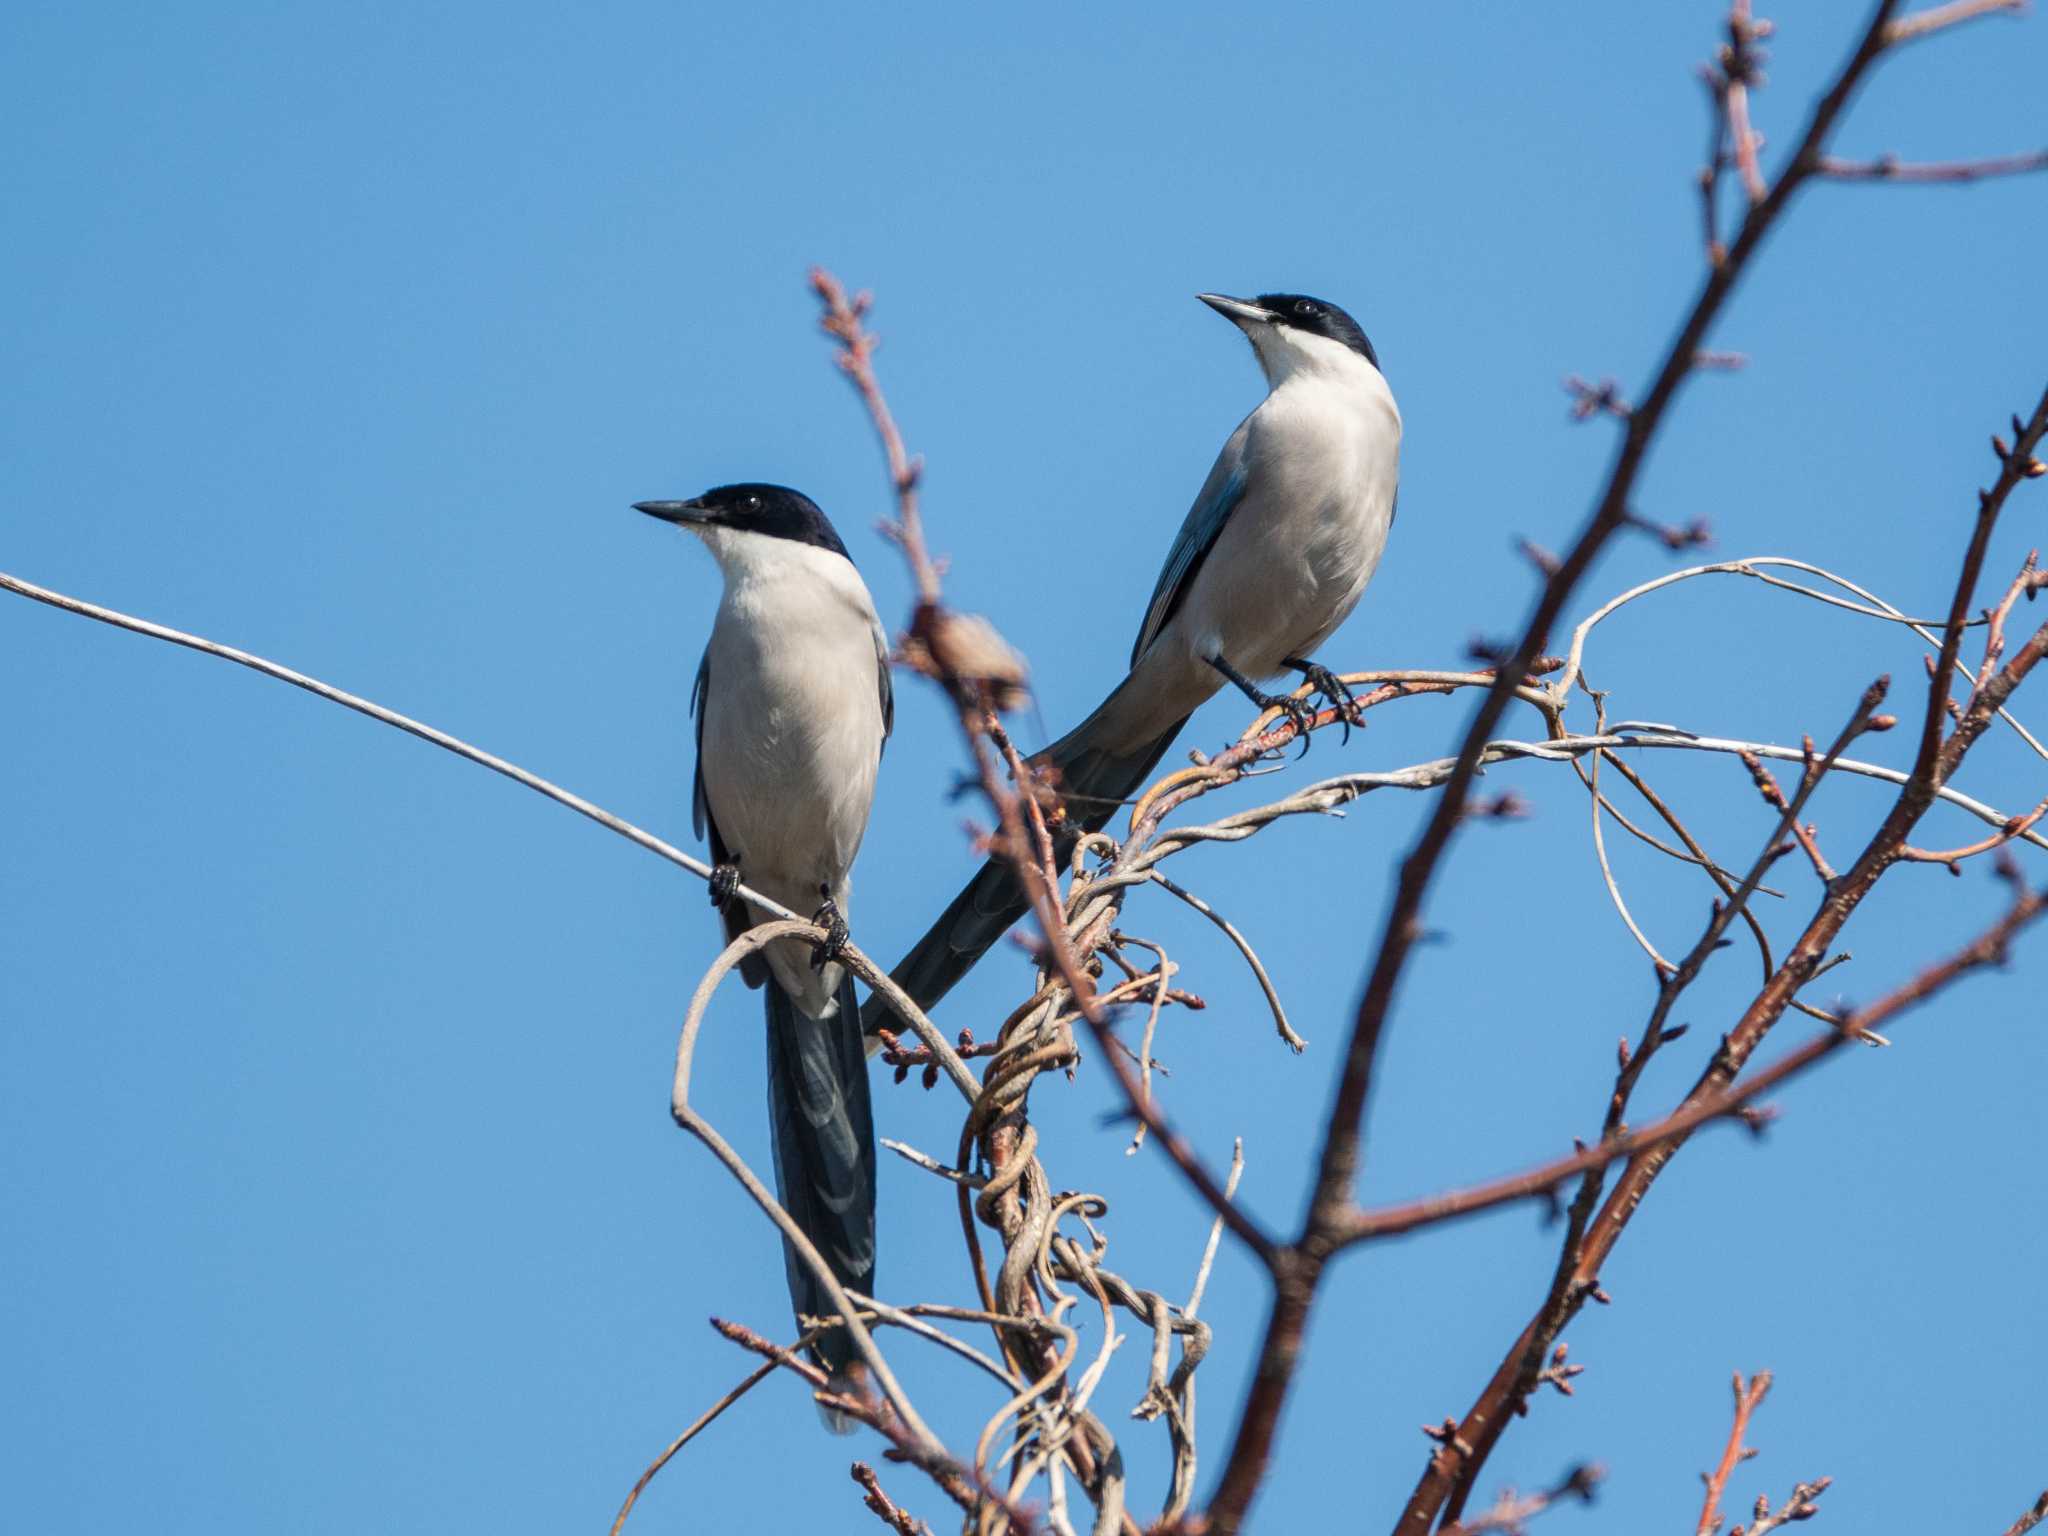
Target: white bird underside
<point x="1320" y="463"/>
<point x="792" y="730"/>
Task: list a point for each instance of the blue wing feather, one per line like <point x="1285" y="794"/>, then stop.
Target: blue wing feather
<point x="1218" y="498"/>
<point x="700" y="810"/>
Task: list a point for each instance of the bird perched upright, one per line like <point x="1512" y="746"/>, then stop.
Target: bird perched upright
<point x="793" y="706"/>
<point x="1272" y="557"/>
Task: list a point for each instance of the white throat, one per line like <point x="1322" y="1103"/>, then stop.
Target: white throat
<point x="1286" y="354"/>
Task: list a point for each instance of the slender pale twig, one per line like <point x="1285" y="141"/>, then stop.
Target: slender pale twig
<point x="1890" y="168"/>
<point x="1747" y="1397"/>
<point x="391" y="717"/>
<point x="930" y="1450"/>
<point x="1251" y="958"/>
<point x="753" y="1379"/>
<point x="1925" y="23"/>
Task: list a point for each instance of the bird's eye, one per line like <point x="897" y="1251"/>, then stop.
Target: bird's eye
<point x="753" y="503"/>
<point x="1308" y="309"/>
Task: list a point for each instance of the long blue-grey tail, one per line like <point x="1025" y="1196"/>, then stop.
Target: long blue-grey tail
<point x="823" y="1124"/>
<point x="1094" y="783"/>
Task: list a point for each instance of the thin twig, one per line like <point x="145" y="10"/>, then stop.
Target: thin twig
<point x="391" y="717"/>
<point x="1891" y="168"/>
<point x="1215" y="1232"/>
<point x="1251" y="958"/>
<point x="1511" y="1509"/>
<point x="752" y="1380"/>
<point x="1747" y="1396"/>
<point x="1366" y="1225"/>
<point x="1935" y="18"/>
<point x="842" y="320"/>
<point x="899" y="1520"/>
<point x="914" y="1432"/>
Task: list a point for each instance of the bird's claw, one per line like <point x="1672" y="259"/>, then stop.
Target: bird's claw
<point x="1333" y="690"/>
<point x="836" y="934"/>
<point x="725" y="884"/>
<point x="1298" y="712"/>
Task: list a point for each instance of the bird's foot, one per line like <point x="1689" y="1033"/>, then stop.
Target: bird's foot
<point x="1294" y="709"/>
<point x="836" y="932"/>
<point x="1333" y="690"/>
<point x="725" y="884"/>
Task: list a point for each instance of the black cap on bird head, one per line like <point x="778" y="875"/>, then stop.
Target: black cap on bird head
<point x="773" y="511"/>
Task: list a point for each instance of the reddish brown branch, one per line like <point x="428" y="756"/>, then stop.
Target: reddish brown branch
<point x="1809" y="839"/>
<point x="1747" y="1397"/>
<point x="2029" y="581"/>
<point x="1953" y="857"/>
<point x="2014" y="466"/>
<point x="2030" y="1519"/>
<point x="1989" y="948"/>
<point x="1298" y="1271"/>
<point x="1480" y="1429"/>
<point x="1571" y="1284"/>
<point x="958" y="1483"/>
<point x="843" y="321"/>
<point x="897" y="1519"/>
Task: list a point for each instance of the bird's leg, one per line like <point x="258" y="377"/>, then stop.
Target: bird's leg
<point x="836" y="932"/>
<point x="1333" y="689"/>
<point x="1294" y="709"/>
<point x="725" y="884"/>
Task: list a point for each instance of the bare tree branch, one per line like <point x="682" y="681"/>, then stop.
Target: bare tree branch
<point x="1988" y="949"/>
<point x="1300" y="1270"/>
<point x="1451" y="1471"/>
<point x="1747" y="1396"/>
<point x="1891" y="168"/>
<point x="2030" y="1519"/>
<point x="1936" y="18"/>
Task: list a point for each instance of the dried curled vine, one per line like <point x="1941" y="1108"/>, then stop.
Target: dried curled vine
<point x="1044" y="1435"/>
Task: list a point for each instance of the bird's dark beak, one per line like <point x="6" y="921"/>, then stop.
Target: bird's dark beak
<point x="1242" y="311"/>
<point x="688" y="514"/>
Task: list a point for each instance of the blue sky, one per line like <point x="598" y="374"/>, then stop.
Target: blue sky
<point x="337" y="1182"/>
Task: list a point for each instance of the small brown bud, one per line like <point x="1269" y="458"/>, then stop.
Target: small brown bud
<point x="1882" y="722"/>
